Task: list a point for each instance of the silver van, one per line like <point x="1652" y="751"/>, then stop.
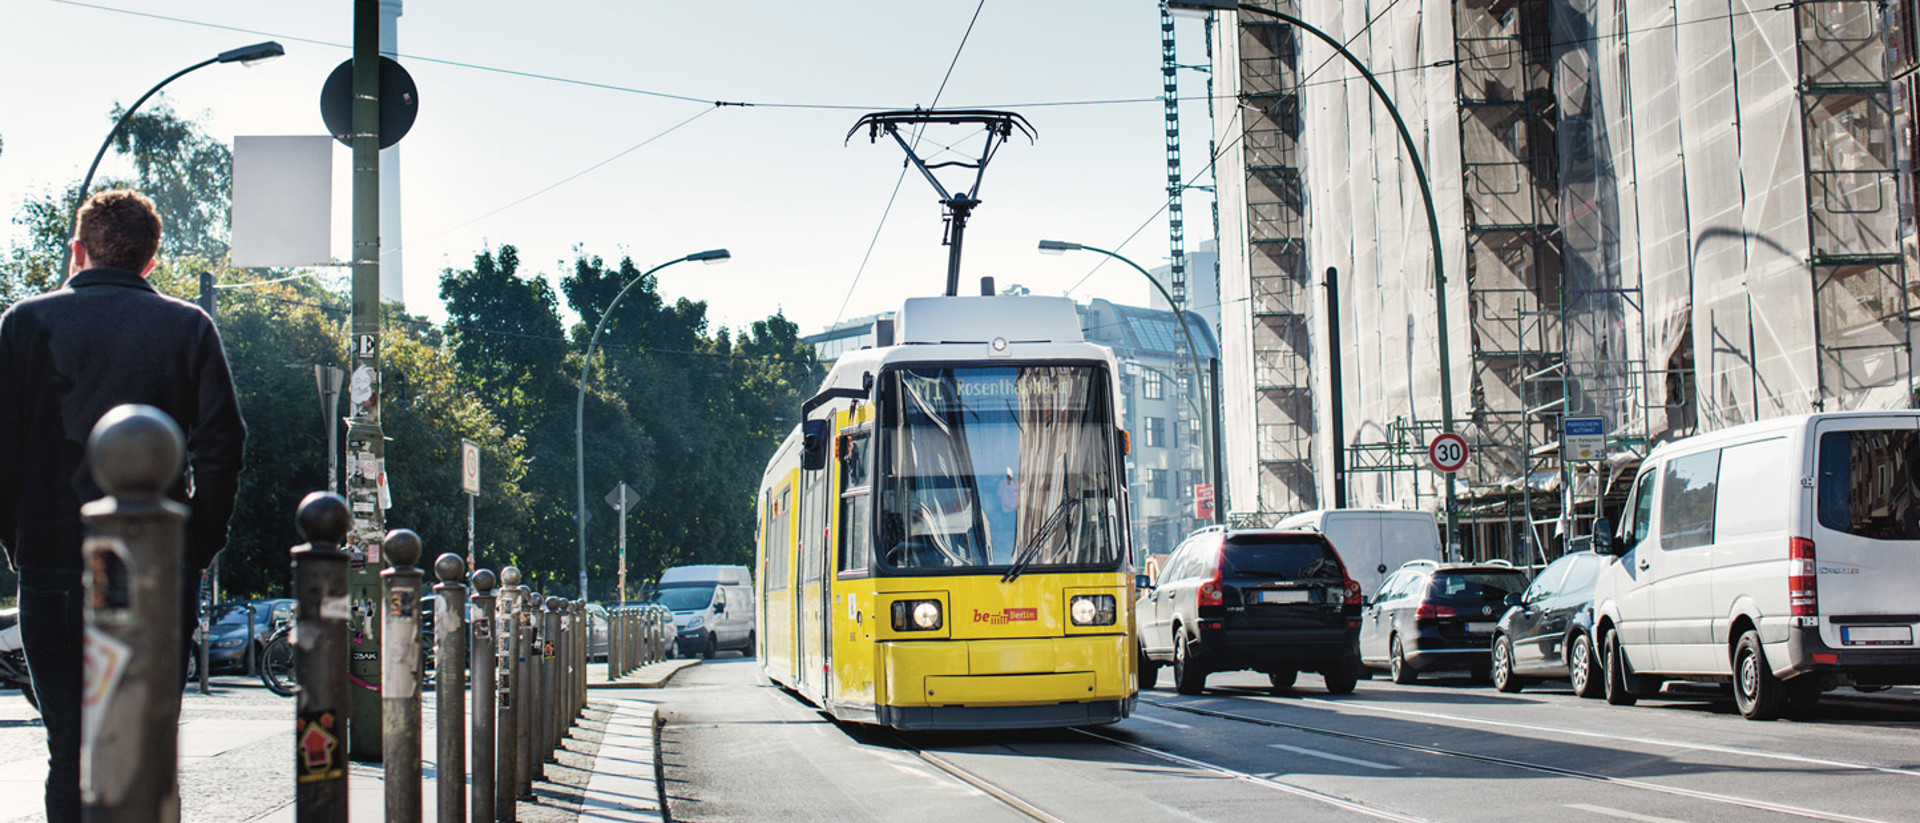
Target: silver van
<point x="1781" y="556"/>
<point x="1372" y="541"/>
<point x="712" y="608"/>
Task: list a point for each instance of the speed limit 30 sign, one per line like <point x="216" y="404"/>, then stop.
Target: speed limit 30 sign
<point x="1447" y="453"/>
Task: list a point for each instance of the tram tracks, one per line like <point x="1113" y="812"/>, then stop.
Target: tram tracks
<point x="1539" y="768"/>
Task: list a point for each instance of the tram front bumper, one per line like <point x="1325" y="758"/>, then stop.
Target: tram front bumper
<point x="1025" y="672"/>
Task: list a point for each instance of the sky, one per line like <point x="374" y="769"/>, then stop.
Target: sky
<point x="501" y="156"/>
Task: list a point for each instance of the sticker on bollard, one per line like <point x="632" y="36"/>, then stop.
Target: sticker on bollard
<point x="105" y="662"/>
<point x="400" y="606"/>
<point x="321" y="756"/>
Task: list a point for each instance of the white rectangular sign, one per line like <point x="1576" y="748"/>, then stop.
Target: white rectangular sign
<point x="470" y="467"/>
<point x="282" y="201"/>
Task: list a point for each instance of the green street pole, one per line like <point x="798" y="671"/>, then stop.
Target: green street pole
<point x="1426" y="197"/>
<point x="1207" y="455"/>
<point x="580" y="409"/>
<point x="366" y="443"/>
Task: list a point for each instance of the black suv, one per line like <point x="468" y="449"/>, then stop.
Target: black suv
<point x="1432" y="615"/>
<point x="1276" y="602"/>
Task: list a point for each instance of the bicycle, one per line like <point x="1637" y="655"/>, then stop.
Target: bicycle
<point x="276" y="661"/>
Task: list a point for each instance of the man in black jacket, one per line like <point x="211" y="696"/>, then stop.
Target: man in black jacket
<point x="66" y="358"/>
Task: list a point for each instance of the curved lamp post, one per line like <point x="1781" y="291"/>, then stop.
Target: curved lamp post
<point x="1419" y="175"/>
<point x="710" y="256"/>
<point x="247" y="55"/>
<point x="1208" y="458"/>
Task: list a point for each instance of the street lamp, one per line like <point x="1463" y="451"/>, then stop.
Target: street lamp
<point x="246" y="55"/>
<point x="1208" y="456"/>
<point x="1419" y="175"/>
<point x="710" y="257"/>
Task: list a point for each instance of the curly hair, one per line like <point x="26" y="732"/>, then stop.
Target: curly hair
<point x="120" y="229"/>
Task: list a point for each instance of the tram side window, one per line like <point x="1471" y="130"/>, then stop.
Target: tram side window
<point x="856" y="504"/>
<point x="779" y="539"/>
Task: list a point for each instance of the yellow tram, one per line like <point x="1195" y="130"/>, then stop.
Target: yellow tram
<point x="943" y="540"/>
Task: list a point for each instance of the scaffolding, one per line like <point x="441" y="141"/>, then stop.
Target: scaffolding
<point x="1281" y="300"/>
<point x="1176" y="186"/>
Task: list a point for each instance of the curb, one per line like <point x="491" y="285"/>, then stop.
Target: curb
<point x="653" y="676"/>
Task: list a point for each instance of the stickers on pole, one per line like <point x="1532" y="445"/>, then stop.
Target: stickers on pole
<point x="106" y="660"/>
<point x="318" y="754"/>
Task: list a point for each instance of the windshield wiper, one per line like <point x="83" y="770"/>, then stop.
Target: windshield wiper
<point x="1024" y="558"/>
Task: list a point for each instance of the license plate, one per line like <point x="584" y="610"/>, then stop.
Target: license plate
<point x="1480" y="627"/>
<point x="1876" y="635"/>
<point x="1287" y="596"/>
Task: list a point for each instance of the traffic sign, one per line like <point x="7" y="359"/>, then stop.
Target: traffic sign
<point x="1203" y="501"/>
<point x="470" y="467"/>
<point x="1583" y="438"/>
<point x="623" y="498"/>
<point x="1447" y="453"/>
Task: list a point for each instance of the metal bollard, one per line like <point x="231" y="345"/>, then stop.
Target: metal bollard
<point x="204" y="648"/>
<point x="321" y="705"/>
<point x="483" y="695"/>
<point x="400" y="675"/>
<point x="583" y="652"/>
<point x="507" y="766"/>
<point x="529" y="694"/>
<point x="129" y="730"/>
<point x="550" y="652"/>
<point x="253" y="660"/>
<point x="450" y="687"/>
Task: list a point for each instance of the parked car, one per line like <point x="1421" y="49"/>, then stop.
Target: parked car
<point x="712" y="608"/>
<point x="227" y="631"/>
<point x="1782" y="557"/>
<point x="1372" y="541"/>
<point x="1547" y="629"/>
<point x="1437" y="616"/>
<point x="1272" y="601"/>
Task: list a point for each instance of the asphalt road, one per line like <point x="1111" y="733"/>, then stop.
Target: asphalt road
<point x="736" y="749"/>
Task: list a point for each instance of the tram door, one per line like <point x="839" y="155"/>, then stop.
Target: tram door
<point x="810" y="606"/>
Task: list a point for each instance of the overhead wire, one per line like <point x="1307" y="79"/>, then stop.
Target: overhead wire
<point x="874" y="241"/>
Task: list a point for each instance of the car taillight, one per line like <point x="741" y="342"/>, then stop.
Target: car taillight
<point x="1210" y="591"/>
<point x="1430" y="611"/>
<point x="1354" y="596"/>
<point x="1802" y="598"/>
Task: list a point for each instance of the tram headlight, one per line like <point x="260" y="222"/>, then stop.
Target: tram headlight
<point x="916" y="615"/>
<point x="1092" y="610"/>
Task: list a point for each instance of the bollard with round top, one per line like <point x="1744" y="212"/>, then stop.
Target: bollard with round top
<point x="485" y="703"/>
<point x="506" y="787"/>
<point x="400" y="676"/>
<point x="551" y="685"/>
<point x="322" y="703"/>
<point x="135" y="538"/>
<point x="529" y="693"/>
<point x="450" y="687"/>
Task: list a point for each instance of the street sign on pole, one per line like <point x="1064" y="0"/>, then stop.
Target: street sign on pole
<point x="469" y="467"/>
<point x="622" y="499"/>
<point x="1583" y="438"/>
<point x="1447" y="452"/>
<point x="1203" y="501"/>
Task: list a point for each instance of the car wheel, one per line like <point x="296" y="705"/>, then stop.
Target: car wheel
<point x="1341" y="678"/>
<point x="1756" y="691"/>
<point x="1188" y="677"/>
<point x="1615" y="687"/>
<point x="747" y="650"/>
<point x="1148" y="671"/>
<point x="1502" y="672"/>
<point x="712" y="645"/>
<point x="1282" y="680"/>
<point x="1583" y="668"/>
<point x="1403" y="672"/>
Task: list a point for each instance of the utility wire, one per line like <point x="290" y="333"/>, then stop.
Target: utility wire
<point x="917" y="134"/>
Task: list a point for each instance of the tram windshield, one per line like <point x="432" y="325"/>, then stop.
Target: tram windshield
<point x="1008" y="466"/>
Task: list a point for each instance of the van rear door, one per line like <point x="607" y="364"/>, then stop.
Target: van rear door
<point x="1866" y="530"/>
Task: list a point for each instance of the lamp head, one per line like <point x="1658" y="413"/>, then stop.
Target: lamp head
<point x="251" y="54"/>
<point x="1200" y="8"/>
<point x="711" y="257"/>
<point x="1057" y="247"/>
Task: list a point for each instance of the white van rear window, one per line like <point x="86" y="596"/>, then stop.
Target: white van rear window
<point x="1870" y="483"/>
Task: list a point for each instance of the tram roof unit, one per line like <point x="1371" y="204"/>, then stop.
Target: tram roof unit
<point x="974" y="330"/>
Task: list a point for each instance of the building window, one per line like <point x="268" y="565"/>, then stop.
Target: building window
<point x="1151" y="386"/>
<point x="1156" y="432"/>
<point x="1193" y="428"/>
<point x="1157" y="484"/>
<point x="1184" y="390"/>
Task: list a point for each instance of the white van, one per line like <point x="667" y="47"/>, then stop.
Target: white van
<point x="1372" y="542"/>
<point x="712" y="608"/>
<point x="1782" y="557"/>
